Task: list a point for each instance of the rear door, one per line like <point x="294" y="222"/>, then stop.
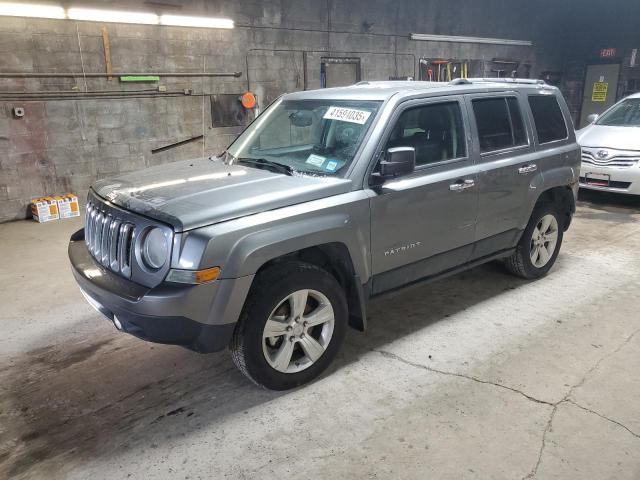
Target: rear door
<point x="424" y="223"/>
<point x="504" y="153"/>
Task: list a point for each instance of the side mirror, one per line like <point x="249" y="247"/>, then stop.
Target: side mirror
<point x="399" y="161"/>
<point x="592" y="118"/>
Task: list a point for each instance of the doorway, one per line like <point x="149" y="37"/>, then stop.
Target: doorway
<point x="600" y="90"/>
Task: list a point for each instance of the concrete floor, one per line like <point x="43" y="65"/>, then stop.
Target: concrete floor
<point x="478" y="376"/>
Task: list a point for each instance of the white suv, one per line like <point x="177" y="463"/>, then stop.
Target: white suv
<point x="611" y="149"/>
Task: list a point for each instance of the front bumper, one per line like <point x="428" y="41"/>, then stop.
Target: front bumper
<point x="198" y="317"/>
<point x="621" y="179"/>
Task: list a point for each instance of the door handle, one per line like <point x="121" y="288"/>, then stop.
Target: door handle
<point x="461" y="185"/>
<point x="527" y="169"/>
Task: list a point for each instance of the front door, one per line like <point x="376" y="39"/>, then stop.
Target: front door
<point x="424" y="223"/>
<point x="600" y="90"/>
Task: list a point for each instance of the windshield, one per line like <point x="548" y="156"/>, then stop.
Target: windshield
<point x="310" y="136"/>
<point x="625" y="114"/>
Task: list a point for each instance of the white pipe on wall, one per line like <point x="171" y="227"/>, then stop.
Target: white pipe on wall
<point x="456" y="39"/>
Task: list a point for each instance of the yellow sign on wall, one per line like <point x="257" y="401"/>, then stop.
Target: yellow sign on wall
<point x="600" y="90"/>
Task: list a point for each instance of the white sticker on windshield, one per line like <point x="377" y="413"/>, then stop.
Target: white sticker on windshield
<point x="316" y="160"/>
<point x="347" y="115"/>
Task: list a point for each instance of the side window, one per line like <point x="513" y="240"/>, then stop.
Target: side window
<point x="436" y="132"/>
<point x="519" y="133"/>
<point x="500" y="123"/>
<point x="548" y="118"/>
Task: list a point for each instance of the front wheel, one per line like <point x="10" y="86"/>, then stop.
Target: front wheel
<point x="292" y="326"/>
<point x="540" y="244"/>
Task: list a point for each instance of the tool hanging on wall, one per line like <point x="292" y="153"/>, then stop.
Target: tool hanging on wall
<point x="441" y="68"/>
<point x="505" y="67"/>
<point x="457" y="69"/>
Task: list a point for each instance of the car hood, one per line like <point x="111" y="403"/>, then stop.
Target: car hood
<point x="194" y="193"/>
<point x="602" y="136"/>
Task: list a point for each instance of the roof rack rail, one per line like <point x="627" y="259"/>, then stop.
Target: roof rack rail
<point x="523" y="81"/>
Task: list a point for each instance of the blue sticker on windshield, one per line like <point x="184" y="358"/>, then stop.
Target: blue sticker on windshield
<point x="331" y="166"/>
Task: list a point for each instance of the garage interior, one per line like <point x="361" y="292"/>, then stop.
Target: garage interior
<point x="475" y="376"/>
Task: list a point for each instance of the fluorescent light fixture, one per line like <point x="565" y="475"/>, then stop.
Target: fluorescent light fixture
<point x="31" y="10"/>
<point x="202" y="22"/>
<point x="115" y="16"/>
<point x="14" y="9"/>
<point x="455" y="39"/>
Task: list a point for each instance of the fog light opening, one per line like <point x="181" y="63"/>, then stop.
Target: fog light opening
<point x="117" y="323"/>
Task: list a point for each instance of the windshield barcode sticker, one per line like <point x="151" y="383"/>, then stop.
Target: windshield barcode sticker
<point x="347" y="115"/>
<point x="315" y="160"/>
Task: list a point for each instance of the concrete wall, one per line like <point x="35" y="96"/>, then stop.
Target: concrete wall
<point x="74" y="131"/>
<point x="591" y="27"/>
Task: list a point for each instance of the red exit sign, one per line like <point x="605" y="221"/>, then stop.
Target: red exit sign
<point x="608" y="52"/>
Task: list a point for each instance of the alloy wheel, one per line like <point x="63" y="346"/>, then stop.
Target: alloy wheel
<point x="298" y="331"/>
<point x="544" y="240"/>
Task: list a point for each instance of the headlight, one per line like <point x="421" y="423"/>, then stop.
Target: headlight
<point x="155" y="248"/>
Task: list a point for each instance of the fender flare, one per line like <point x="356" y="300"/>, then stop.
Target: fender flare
<point x="558" y="179"/>
<point x="255" y="249"/>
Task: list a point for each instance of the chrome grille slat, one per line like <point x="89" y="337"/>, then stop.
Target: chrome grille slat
<point x="91" y="214"/>
<point x="610" y="163"/>
<point x="114" y="231"/>
<point x="616" y="158"/>
<point x="104" y="243"/>
<point x="87" y="224"/>
<point x="97" y="231"/>
<point x="124" y="249"/>
<point x="109" y="239"/>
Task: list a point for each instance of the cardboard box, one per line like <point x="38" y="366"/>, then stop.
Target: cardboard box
<point x="68" y="205"/>
<point x="44" y="209"/>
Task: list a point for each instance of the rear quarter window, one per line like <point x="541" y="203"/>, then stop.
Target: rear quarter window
<point x="548" y="118"/>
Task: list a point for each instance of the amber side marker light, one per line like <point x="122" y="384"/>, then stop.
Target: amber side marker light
<point x="208" y="275"/>
<point x="248" y="100"/>
<point x="194" y="276"/>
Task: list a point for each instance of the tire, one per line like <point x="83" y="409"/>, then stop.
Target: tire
<point x="521" y="262"/>
<point x="262" y="358"/>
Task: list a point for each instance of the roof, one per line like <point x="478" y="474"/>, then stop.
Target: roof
<point x="383" y="90"/>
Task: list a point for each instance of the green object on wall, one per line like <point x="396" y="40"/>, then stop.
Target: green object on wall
<point x="140" y="78"/>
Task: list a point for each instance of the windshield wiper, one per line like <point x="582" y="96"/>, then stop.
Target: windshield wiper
<point x="275" y="166"/>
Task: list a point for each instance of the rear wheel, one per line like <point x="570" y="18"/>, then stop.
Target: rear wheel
<point x="540" y="244"/>
<point x="292" y="326"/>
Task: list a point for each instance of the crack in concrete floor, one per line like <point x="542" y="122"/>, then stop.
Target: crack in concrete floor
<point x="565" y="400"/>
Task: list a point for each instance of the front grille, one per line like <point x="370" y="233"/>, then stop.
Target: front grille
<point x="617" y="159"/>
<point x="109" y="239"/>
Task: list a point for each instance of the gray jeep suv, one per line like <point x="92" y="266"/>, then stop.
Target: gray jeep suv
<point x="328" y="198"/>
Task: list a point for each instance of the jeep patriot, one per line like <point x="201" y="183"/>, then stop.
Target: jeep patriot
<point x="330" y="197"/>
